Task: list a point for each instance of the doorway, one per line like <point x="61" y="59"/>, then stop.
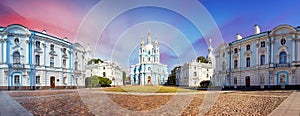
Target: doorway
<point x="52" y="82"/>
<point x="149" y="80"/>
<point x="247" y="81"/>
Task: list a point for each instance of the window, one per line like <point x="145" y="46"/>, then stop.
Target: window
<point x="148" y="59"/>
<point x="195" y="74"/>
<point x="263" y="44"/>
<point x="149" y="52"/>
<point x="52" y="47"/>
<point x="104" y="74"/>
<point x="248" y="47"/>
<point x="103" y="68"/>
<point x="235" y="64"/>
<point x="51" y="61"/>
<point x="235" y="80"/>
<point x="65" y="80"/>
<point x="149" y="68"/>
<point x="282" y="79"/>
<point x="37" y="44"/>
<point x="38" y="79"/>
<point x="76" y="65"/>
<point x="223" y="66"/>
<point x="37" y="60"/>
<point x="16" y="58"/>
<point x="17" y="41"/>
<point x="235" y="50"/>
<point x="283" y="41"/>
<point x="224" y="54"/>
<point x="248" y="62"/>
<point x="262" y="59"/>
<point x="64" y="62"/>
<point x="282" y="58"/>
<point x="207" y="75"/>
<point x="64" y="50"/>
<point x="262" y="80"/>
<point x="17" y="79"/>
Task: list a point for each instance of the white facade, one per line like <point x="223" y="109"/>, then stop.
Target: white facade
<point x="31" y="59"/>
<point x="264" y="59"/>
<point x="191" y="74"/>
<point x="108" y="70"/>
<point x="149" y="70"/>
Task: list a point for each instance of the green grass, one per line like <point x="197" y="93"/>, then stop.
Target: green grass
<point x="148" y="89"/>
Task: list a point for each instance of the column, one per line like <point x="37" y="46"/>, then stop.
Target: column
<point x="293" y="49"/>
<point x="4" y="50"/>
<point x="1" y="44"/>
<point x="272" y="50"/>
<point x="27" y="52"/>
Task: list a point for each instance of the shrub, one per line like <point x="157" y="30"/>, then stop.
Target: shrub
<point x="205" y="84"/>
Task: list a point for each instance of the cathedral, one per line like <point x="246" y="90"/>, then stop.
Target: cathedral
<point x="149" y="70"/>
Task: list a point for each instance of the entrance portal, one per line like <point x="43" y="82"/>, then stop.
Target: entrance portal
<point x="52" y="82"/>
<point x="247" y="81"/>
<point x="149" y="80"/>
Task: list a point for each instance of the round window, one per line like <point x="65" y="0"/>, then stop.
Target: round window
<point x="17" y="41"/>
<point x="283" y="41"/>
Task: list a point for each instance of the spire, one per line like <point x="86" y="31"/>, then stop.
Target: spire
<point x="88" y="49"/>
<point x="149" y="39"/>
<point x="156" y="42"/>
<point x="142" y="42"/>
<point x="210" y="49"/>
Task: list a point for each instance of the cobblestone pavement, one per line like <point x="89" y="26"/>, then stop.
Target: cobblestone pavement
<point x="66" y="102"/>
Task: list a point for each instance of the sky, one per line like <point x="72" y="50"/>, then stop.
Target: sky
<point x="114" y="28"/>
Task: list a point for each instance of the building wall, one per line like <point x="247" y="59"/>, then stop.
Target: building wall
<point x="283" y="38"/>
<point x="20" y="48"/>
<point x="111" y="70"/>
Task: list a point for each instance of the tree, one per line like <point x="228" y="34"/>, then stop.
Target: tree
<point x="202" y="59"/>
<point x="96" y="61"/>
<point x="124" y="77"/>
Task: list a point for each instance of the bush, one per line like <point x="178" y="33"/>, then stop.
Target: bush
<point x="92" y="81"/>
<point x="205" y="84"/>
<point x="104" y="82"/>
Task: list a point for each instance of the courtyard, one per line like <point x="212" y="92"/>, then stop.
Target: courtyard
<point x="112" y="101"/>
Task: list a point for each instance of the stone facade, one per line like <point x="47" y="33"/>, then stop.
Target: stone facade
<point x="192" y="73"/>
<point x="265" y="59"/>
<point x="36" y="60"/>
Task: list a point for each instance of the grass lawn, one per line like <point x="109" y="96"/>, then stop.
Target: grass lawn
<point x="148" y="89"/>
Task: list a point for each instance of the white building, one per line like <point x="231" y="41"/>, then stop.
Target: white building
<point x="192" y="73"/>
<point x="35" y="60"/>
<point x="106" y="69"/>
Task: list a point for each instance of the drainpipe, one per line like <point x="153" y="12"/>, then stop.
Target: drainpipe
<point x="270" y="43"/>
<point x="230" y="45"/>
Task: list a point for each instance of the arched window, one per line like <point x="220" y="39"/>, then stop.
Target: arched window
<point x="282" y="58"/>
<point x="16" y="58"/>
<point x="248" y="47"/>
<point x="262" y="59"/>
<point x="37" y="44"/>
<point x="223" y="66"/>
<point x="37" y="60"/>
<point x="76" y="65"/>
<point x="104" y="74"/>
<point x="248" y="62"/>
<point x="195" y="74"/>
